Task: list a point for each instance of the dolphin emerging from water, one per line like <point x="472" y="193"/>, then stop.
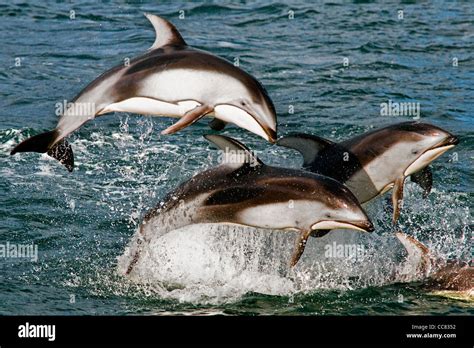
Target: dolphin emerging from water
<point x="445" y="277"/>
<point x="375" y="162"/>
<point x="171" y="79"/>
<point x="244" y="191"/>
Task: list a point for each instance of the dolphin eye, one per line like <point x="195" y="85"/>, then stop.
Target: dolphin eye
<point x="415" y="152"/>
<point x="328" y="215"/>
<point x="242" y="103"/>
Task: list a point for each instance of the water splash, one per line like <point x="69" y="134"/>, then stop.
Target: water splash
<point x="212" y="263"/>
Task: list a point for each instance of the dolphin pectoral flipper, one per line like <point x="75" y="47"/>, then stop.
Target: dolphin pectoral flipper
<point x="299" y="247"/>
<point x="424" y="178"/>
<point x="308" y="145"/>
<point x="397" y="198"/>
<point x="189" y="118"/>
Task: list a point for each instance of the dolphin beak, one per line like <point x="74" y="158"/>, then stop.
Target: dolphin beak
<point x="360" y="225"/>
<point x="450" y="140"/>
<point x="272" y="135"/>
<point x="268" y="129"/>
<point x="364" y="225"/>
<point x="265" y="131"/>
<point x="246" y="117"/>
<point x="431" y="154"/>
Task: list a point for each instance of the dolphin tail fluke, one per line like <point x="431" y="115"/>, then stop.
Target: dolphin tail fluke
<point x="38" y="143"/>
<point x="299" y="247"/>
<point x="62" y="151"/>
<point x="46" y="142"/>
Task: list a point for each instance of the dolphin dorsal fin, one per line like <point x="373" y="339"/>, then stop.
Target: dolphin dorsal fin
<point x="166" y="33"/>
<point x="235" y="153"/>
<point x="308" y="145"/>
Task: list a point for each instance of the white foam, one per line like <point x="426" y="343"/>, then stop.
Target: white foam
<point x="211" y="263"/>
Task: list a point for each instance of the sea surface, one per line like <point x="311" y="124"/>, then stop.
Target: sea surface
<point x="328" y="68"/>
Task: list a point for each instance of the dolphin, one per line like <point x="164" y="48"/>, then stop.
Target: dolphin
<point x="171" y="79"/>
<point x="451" y="277"/>
<point x="375" y="162"/>
<point x="245" y="191"/>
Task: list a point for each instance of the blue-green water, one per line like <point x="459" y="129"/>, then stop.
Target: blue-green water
<point x="82" y="221"/>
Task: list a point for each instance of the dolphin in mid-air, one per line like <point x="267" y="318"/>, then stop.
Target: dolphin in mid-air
<point x="171" y="79"/>
<point x="245" y="191"/>
<point x="444" y="277"/>
<point x="373" y="163"/>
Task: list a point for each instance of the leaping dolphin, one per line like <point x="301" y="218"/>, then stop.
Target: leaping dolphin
<point x="375" y="162"/>
<point x="171" y="79"/>
<point x="245" y="191"/>
<point x="446" y="277"/>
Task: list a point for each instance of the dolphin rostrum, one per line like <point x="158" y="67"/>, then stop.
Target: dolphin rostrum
<point x="438" y="274"/>
<point x="245" y="191"/>
<point x="375" y="162"/>
<point x="170" y="79"/>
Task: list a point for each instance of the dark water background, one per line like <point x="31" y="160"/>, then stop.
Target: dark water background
<point x="82" y="221"/>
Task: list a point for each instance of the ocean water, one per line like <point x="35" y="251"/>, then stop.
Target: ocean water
<point x="81" y="222"/>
